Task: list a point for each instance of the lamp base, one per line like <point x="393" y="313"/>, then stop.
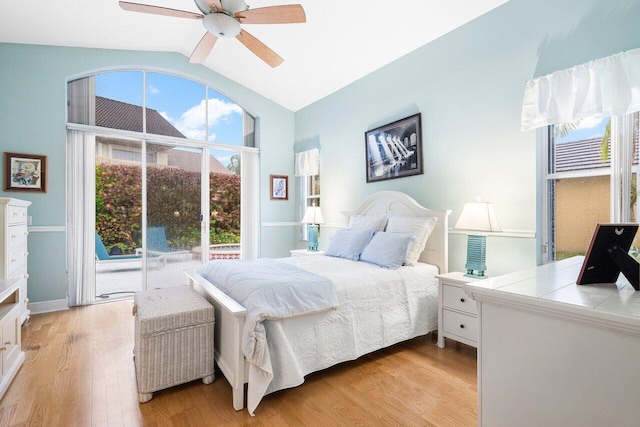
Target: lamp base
<point x="476" y="251"/>
<point x="313" y="237"/>
<point x="478" y="275"/>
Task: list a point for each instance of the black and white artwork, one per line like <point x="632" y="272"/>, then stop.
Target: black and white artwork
<point x="394" y="150"/>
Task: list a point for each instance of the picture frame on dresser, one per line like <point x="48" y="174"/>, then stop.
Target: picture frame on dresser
<point x="25" y="172"/>
<point x="394" y="150"/>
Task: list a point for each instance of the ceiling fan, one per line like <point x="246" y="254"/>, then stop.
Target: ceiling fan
<point x="222" y="18"/>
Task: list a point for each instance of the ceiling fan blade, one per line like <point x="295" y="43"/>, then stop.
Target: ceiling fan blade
<point x="285" y="14"/>
<point x="259" y="49"/>
<point x="157" y="10"/>
<point x="203" y="48"/>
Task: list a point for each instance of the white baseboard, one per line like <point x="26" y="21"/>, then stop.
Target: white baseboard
<point x="48" y="306"/>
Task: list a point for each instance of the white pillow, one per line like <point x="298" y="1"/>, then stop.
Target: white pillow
<point x="420" y="227"/>
<point x="375" y="222"/>
<point x="388" y="250"/>
<point x="349" y="244"/>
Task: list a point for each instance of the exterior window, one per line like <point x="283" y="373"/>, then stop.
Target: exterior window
<point x="590" y="177"/>
<point x="310" y="192"/>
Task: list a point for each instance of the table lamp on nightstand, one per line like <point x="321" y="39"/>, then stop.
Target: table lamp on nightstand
<point x="313" y="217"/>
<point x="477" y="216"/>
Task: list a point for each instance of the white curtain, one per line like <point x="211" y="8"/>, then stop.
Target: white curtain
<point x="602" y="88"/>
<point x="80" y="220"/>
<point x="308" y="163"/>
<point x="250" y="205"/>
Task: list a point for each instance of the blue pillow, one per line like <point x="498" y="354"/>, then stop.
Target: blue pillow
<point x="349" y="243"/>
<point x="388" y="250"/>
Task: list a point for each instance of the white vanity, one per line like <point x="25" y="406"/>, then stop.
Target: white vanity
<point x="554" y="353"/>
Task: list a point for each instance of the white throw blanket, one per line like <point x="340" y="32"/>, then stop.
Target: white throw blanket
<point x="268" y="289"/>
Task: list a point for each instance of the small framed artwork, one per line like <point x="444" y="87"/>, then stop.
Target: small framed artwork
<point x="25" y="172"/>
<point x="394" y="150"/>
<point x="279" y="187"/>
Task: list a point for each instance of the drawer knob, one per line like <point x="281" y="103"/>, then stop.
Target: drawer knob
<point x="13" y="236"/>
<point x="461" y="299"/>
<point x="13" y="260"/>
<point x="26" y="233"/>
<point x="461" y="326"/>
<point x="7" y="343"/>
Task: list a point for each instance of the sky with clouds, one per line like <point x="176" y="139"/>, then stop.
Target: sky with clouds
<point x="180" y="101"/>
<point x="587" y="129"/>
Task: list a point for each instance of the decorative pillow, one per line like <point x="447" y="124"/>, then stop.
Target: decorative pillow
<point x="420" y="227"/>
<point x="374" y="222"/>
<point x="349" y="244"/>
<point x="388" y="250"/>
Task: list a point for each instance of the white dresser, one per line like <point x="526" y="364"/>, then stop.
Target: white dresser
<point x="554" y="353"/>
<point x="11" y="354"/>
<point x="13" y="248"/>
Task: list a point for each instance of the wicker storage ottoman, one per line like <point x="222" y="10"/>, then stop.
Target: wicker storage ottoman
<point x="173" y="339"/>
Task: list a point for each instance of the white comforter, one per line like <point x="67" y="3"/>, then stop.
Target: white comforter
<point x="376" y="308"/>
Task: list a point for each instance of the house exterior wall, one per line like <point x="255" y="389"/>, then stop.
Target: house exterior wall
<point x="581" y="203"/>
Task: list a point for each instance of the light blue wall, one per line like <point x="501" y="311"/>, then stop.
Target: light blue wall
<point x="468" y="85"/>
<point x="32" y="120"/>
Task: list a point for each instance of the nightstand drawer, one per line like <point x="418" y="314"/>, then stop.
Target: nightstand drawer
<point x="460" y="324"/>
<point x="454" y="297"/>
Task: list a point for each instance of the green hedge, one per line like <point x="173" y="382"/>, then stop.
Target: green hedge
<point x="173" y="201"/>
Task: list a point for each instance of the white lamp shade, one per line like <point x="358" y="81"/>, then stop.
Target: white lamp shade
<point x="313" y="215"/>
<point x="478" y="216"/>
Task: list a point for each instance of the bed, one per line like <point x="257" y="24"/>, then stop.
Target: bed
<point x="376" y="308"/>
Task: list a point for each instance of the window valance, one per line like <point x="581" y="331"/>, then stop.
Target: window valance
<point x="604" y="87"/>
<point x="308" y="162"/>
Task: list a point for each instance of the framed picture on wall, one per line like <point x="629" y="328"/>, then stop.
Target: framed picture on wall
<point x="394" y="150"/>
<point x="25" y="172"/>
<point x="279" y="187"/>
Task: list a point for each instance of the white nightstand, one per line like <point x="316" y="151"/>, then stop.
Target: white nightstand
<point x="305" y="252"/>
<point x="457" y="314"/>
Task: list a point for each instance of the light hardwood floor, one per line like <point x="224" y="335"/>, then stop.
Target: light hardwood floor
<point x="79" y="371"/>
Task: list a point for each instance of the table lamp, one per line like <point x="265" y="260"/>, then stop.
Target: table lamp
<point x="313" y="217"/>
<point x="477" y="216"/>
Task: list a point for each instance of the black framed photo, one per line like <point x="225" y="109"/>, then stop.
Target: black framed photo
<point x="25" y="172"/>
<point x="394" y="150"/>
<point x="279" y="187"/>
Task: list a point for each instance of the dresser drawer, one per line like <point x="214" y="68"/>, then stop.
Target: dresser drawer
<point x="17" y="260"/>
<point x="17" y="215"/>
<point x="10" y="337"/>
<point x="17" y="236"/>
<point x="460" y="324"/>
<point x="454" y="297"/>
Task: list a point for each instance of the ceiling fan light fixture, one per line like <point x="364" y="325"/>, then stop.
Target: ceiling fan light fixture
<point x="221" y="25"/>
<point x="234" y="6"/>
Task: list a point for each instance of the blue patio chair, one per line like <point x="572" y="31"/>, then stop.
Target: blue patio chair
<point x="157" y="243"/>
<point x="103" y="255"/>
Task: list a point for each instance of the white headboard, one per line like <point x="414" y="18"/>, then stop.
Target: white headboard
<point x="436" y="251"/>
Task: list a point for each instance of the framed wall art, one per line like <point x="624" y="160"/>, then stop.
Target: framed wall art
<point x="394" y="150"/>
<point x="25" y="172"/>
<point x="279" y="187"/>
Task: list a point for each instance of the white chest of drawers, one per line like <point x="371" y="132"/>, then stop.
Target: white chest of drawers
<point x="457" y="314"/>
<point x="13" y="248"/>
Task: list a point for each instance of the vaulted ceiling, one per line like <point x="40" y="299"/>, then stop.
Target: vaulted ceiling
<point x="341" y="41"/>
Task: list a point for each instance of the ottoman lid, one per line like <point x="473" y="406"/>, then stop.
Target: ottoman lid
<point x="167" y="309"/>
